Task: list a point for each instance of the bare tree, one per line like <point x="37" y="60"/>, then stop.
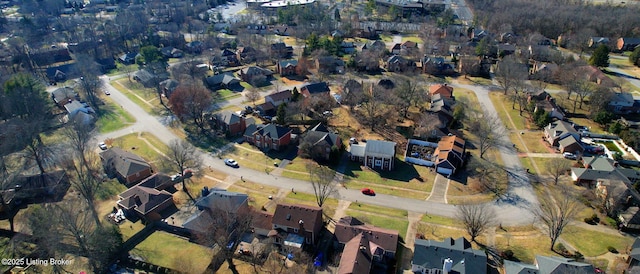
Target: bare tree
<point x="476" y="218"/>
<point x="321" y="178"/>
<point x="409" y="93"/>
<point x="508" y="71"/>
<point x="556" y="168"/>
<point x="182" y="156"/>
<point x="373" y="108"/>
<point x="225" y="230"/>
<point x="90" y="84"/>
<point x="191" y="102"/>
<point x="253" y="95"/>
<point x="488" y="129"/>
<point x="557" y="208"/>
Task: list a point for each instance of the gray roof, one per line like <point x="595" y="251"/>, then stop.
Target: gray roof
<point x="357" y="150"/>
<point x="561" y="126"/>
<point x="224" y="78"/>
<point x="279" y="96"/>
<point x="143" y="199"/>
<point x="62" y="94"/>
<point x="224" y="200"/>
<point x="558" y="265"/>
<point x="431" y="254"/>
<point x="599" y="163"/>
<point x="511" y="267"/>
<point x="253" y="70"/>
<point x="569" y="140"/>
<point x="285" y="63"/>
<point x="124" y="162"/>
<point x="380" y="147"/>
<point x="270" y="130"/>
<point x="228" y="117"/>
<point x="316" y="137"/>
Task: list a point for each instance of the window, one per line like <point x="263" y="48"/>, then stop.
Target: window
<point x="295" y="230"/>
<point x="378" y="162"/>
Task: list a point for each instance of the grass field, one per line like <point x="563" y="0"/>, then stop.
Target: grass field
<point x="167" y="250"/>
<point x="597" y="243"/>
<point x="135" y="143"/>
<point x="395" y="223"/>
<point x="506" y="113"/>
<point x="524" y="247"/>
<point x="532" y="140"/>
<point x="113" y="118"/>
<point x="379" y="210"/>
<point x="328" y="208"/>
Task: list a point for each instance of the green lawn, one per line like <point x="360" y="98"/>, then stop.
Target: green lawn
<point x="597" y="243"/>
<point x="136" y="97"/>
<point x="167" y="250"/>
<point x="388" y="190"/>
<point x="436" y="219"/>
<point x="532" y="140"/>
<point x="113" y="118"/>
<point x="504" y="107"/>
<point x="379" y="210"/>
<point x="294" y="175"/>
<point x="128" y="229"/>
<point x="395" y="223"/>
<point x="328" y="208"/>
<point x="226" y="94"/>
<point x="412" y="39"/>
<point x="109" y="189"/>
<point x="138" y="146"/>
<point x="404" y="175"/>
<point x="611" y="147"/>
<point x="524" y="247"/>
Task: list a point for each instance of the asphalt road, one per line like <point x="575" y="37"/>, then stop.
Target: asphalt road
<point x="512" y="208"/>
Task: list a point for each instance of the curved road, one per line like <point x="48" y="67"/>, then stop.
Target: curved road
<point x="512" y="208"/>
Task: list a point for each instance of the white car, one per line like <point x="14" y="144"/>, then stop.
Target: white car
<point x="106" y="92"/>
<point x="102" y="146"/>
<point x="569" y="156"/>
<point x="231" y="162"/>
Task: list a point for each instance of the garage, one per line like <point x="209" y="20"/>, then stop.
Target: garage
<point x="444" y="170"/>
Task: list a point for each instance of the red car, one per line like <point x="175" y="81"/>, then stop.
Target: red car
<point x="368" y="191"/>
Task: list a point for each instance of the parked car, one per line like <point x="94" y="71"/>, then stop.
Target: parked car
<point x="107" y="92"/>
<point x="569" y="155"/>
<point x="368" y="191"/>
<point x="231" y="162"/>
<point x="176" y="178"/>
<point x="102" y="146"/>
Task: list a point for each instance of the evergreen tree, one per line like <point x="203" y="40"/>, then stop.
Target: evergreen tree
<point x="336" y="15"/>
<point x="600" y="57"/>
<point x="281" y="114"/>
<point x="296" y="94"/>
<point x="634" y="58"/>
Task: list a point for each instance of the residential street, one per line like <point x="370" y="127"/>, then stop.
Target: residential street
<point x="512" y="208"/>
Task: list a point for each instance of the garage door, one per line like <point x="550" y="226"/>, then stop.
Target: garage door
<point x="444" y="171"/>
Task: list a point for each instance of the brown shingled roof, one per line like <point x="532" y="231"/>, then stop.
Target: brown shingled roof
<point x="349" y="227"/>
<point x="289" y="215"/>
<point x="356" y="256"/>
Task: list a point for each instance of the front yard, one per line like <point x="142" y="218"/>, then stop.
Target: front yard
<point x="170" y="251"/>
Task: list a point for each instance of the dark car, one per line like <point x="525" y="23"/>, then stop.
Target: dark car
<point x="368" y="191"/>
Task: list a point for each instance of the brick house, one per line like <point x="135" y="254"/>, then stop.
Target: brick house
<point x="444" y="90"/>
<point x="287" y="67"/>
<point x="301" y="220"/>
<point x="232" y="123"/>
<point x="126" y="166"/>
<point x="267" y="137"/>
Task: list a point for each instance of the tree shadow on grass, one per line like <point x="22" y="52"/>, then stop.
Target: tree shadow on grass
<point x="402" y="171"/>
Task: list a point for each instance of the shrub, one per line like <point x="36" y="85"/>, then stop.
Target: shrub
<point x="560" y="247"/>
<point x="612" y="249"/>
<point x="611" y="222"/>
<point x="508" y="254"/>
<point x="578" y="256"/>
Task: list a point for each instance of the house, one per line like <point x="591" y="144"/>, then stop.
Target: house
<point x="436" y="66"/>
<point x="62" y="72"/>
<point x="399" y="64"/>
<point x="623" y="103"/>
<point x="246" y="54"/>
<point x="409" y="48"/>
<point x="168" y="86"/>
<point x="321" y="142"/>
<point x="229" y="58"/>
<point x="558" y="130"/>
<point x="230" y="122"/>
<point x="287" y="67"/>
<point x="279" y="98"/>
<point x="511" y="267"/>
<point x="80" y="113"/>
<point x="594" y="42"/>
<point x="630" y="218"/>
<point x="444" y="90"/>
<point x="506" y="49"/>
<point x="144" y="202"/>
<point x="602" y="168"/>
<point x="62" y="96"/>
<point x="374" y="154"/>
<point x="148" y="78"/>
<point x="261" y="222"/>
<point x="267" y="137"/>
<point x="450" y="154"/>
<point x="559" y="265"/>
<point x="474" y="66"/>
<point x="194" y="47"/>
<point x="171" y="52"/>
<point x="571" y="144"/>
<point x="595" y="75"/>
<point x="634" y="257"/>
<point x="298" y="220"/>
<point x="106" y="64"/>
<point x="281" y="50"/>
<point x="28" y="189"/>
<point x="627" y="43"/>
<point x="544" y="101"/>
<point x="329" y="64"/>
<point x="128" y="58"/>
<point x="50" y="56"/>
<point x="256" y="76"/>
<point x="216" y="201"/>
<point x="356" y="256"/>
<point x="384" y="242"/>
<point x="223" y="80"/>
<point x="452" y="256"/>
<point x="347" y="47"/>
<point x="395" y="49"/>
<point x="126" y="166"/>
<point x="376" y="45"/>
<point x="309" y="90"/>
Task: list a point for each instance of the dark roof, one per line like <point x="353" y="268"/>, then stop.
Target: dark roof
<point x="157" y="181"/>
<point x="261" y="219"/>
<point x="144" y="76"/>
<point x="124" y="162"/>
<point x="228" y="117"/>
<point x="316" y="87"/>
<point x="317" y="137"/>
<point x="273" y="131"/>
<point x="253" y="70"/>
<point x="226" y="78"/>
<point x="386" y="83"/>
<point x="285" y="63"/>
<point x="62" y="94"/>
<point x="143" y="199"/>
<point x="224" y="200"/>
<point x="356" y="256"/>
<point x="290" y="215"/>
<point x="320" y="127"/>
<point x="431" y="254"/>
<point x="349" y="227"/>
<point x="127" y="57"/>
<point x="553" y="264"/>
